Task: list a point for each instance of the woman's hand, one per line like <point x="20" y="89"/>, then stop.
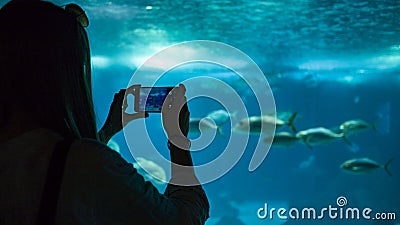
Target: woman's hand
<point x="175" y="117"/>
<point x="114" y="122"/>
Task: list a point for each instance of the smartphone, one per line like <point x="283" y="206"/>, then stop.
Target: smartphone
<point x="151" y="99"/>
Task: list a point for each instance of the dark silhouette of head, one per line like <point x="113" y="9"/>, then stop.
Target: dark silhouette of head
<point x="45" y="68"/>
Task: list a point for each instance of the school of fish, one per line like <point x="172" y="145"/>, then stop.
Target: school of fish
<point x="315" y="136"/>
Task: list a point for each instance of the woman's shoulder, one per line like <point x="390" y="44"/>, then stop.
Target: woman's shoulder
<point x="44" y="140"/>
<point x="93" y="153"/>
<point x="93" y="149"/>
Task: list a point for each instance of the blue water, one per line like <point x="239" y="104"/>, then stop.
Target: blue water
<point x="329" y="61"/>
<point x="297" y="176"/>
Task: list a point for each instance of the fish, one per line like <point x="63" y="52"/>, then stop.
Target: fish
<point x="114" y="145"/>
<point x="320" y="135"/>
<point x="257" y="124"/>
<point x="356" y="126"/>
<point x="364" y="165"/>
<point x="150" y="170"/>
<point x="198" y="125"/>
<point x="282" y="139"/>
<point x="221" y="116"/>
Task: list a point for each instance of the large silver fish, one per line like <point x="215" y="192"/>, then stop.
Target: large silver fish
<point x="256" y="124"/>
<point x="352" y="127"/>
<point x="364" y="165"/>
<point x="198" y="125"/>
<point x="282" y="139"/>
<point x="320" y="135"/>
<point x="220" y="117"/>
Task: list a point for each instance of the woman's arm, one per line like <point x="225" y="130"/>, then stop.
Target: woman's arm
<point x="122" y="196"/>
<point x="191" y="199"/>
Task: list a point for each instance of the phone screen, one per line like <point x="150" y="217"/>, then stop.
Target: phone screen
<point x="151" y="99"/>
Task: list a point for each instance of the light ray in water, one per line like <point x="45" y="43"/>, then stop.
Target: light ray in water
<point x="307" y="163"/>
<point x="353" y="147"/>
<point x="383" y="115"/>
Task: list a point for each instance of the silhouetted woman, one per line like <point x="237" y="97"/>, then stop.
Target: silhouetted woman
<point x="53" y="167"/>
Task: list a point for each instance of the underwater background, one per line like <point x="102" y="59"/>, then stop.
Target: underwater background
<point x="329" y="61"/>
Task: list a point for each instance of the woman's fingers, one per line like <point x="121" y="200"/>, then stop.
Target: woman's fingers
<point x="175" y="112"/>
<point x="134" y="90"/>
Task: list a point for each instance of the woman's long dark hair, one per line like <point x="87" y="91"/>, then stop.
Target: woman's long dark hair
<point x="45" y="67"/>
